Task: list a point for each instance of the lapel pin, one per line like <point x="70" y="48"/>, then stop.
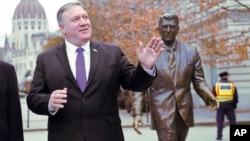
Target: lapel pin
<point x="94" y="50"/>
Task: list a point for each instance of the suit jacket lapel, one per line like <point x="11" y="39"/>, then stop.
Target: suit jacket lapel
<point x="182" y="60"/>
<point x="178" y="58"/>
<point x="63" y="59"/>
<point x="95" y="53"/>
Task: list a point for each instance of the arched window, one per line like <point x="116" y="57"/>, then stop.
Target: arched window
<point x="26" y="41"/>
<point x="33" y="24"/>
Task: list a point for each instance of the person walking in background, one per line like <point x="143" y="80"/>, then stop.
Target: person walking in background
<point x="11" y="126"/>
<point x="226" y="93"/>
<point x="81" y="103"/>
<point x="170" y="97"/>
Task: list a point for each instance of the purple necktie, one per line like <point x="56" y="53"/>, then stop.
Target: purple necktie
<point x="80" y="69"/>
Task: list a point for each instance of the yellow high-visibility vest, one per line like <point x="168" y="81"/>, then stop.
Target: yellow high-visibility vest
<point x="224" y="91"/>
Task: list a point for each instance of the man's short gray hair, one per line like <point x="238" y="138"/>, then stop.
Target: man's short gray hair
<point x="64" y="8"/>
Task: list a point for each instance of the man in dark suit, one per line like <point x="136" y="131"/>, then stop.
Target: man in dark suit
<point x="89" y="112"/>
<point x="11" y="128"/>
<point x="170" y="97"/>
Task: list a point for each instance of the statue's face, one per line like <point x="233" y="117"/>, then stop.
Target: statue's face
<point x="168" y="30"/>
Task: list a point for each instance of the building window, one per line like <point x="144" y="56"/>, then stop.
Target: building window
<point x="21" y="66"/>
<point x="26" y="41"/>
<point x="44" y="25"/>
<point x="24" y="65"/>
<point x="31" y="64"/>
<point x="32" y="23"/>
<point x="14" y="28"/>
<point x="25" y="25"/>
<point x="19" y="25"/>
<point x="39" y="25"/>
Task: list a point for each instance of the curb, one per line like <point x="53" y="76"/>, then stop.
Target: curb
<point x="226" y="123"/>
<point x="148" y="125"/>
<point x="35" y="130"/>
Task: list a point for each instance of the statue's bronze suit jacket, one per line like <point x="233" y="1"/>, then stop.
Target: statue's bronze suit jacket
<point x="171" y="93"/>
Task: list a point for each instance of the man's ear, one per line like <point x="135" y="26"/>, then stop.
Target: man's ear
<point x="61" y="27"/>
<point x="177" y="32"/>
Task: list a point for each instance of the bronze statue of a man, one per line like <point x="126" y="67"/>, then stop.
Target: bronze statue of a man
<point x="170" y="94"/>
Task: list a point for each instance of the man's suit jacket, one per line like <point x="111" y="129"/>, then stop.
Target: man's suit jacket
<point x="92" y="115"/>
<point x="11" y="128"/>
<point x="169" y="94"/>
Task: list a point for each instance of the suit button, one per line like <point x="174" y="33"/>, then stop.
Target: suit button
<point x="83" y="99"/>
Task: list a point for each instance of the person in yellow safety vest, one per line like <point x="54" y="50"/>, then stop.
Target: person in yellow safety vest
<point x="226" y="93"/>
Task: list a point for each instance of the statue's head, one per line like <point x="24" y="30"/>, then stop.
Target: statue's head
<point x="169" y="16"/>
<point x="168" y="27"/>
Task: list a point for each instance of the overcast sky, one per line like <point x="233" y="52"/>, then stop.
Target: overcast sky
<point x="7" y="8"/>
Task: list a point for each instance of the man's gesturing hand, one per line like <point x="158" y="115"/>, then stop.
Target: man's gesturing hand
<point x="149" y="54"/>
<point x="137" y="121"/>
<point x="58" y="98"/>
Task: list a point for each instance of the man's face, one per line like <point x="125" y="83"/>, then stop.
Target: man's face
<point x="168" y="30"/>
<point x="76" y="25"/>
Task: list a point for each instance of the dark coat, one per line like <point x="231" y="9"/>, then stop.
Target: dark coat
<point x="92" y="115"/>
<point x="11" y="128"/>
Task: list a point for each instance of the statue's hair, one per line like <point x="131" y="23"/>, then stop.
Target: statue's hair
<point x="168" y="16"/>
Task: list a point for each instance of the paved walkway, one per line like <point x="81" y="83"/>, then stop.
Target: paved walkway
<point x="203" y="117"/>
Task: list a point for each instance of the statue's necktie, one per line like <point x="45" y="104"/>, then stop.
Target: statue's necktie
<point x="80" y="69"/>
<point x="171" y="58"/>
